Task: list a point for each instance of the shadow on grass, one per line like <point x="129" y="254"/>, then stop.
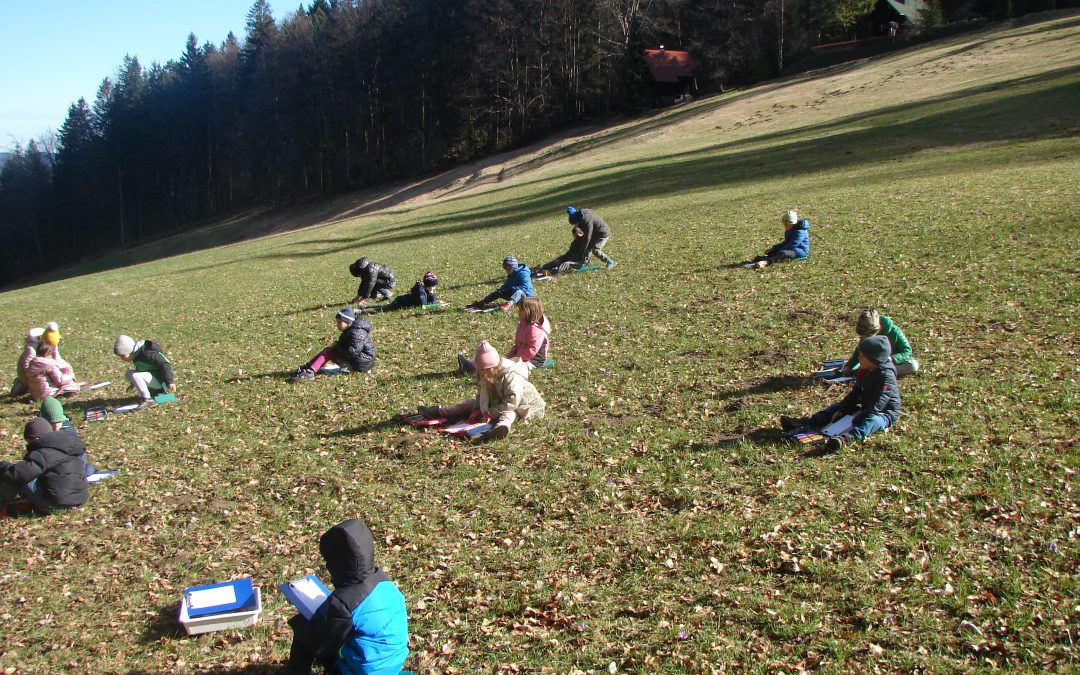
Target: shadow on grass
<point x="437" y="375"/>
<point x="251" y="669"/>
<point x="164" y="625"/>
<point x="313" y="308"/>
<point x="370" y="427"/>
<point x="766" y="437"/>
<point x="274" y="374"/>
<point x="770" y="385"/>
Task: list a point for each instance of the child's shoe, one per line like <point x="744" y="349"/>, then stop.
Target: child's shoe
<point x="792" y="423"/>
<point x="302" y="374"/>
<point x="462" y="364"/>
<point x="837" y="442"/>
<point x="611" y="263"/>
<point x="146" y="403"/>
<point x="506" y="306"/>
<point x="761" y="264"/>
<point x="429" y="411"/>
<point x="495" y="433"/>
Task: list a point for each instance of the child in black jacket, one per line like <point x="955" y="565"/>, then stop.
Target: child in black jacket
<point x="377" y="281"/>
<point x="353" y="351"/>
<point x="874" y="398"/>
<point x="576" y="256"/>
<point x="52" y="474"/>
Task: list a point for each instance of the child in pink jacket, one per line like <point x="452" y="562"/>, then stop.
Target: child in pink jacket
<point x="50" y="375"/>
<point x="530" y="339"/>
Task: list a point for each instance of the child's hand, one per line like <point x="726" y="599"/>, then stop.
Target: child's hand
<point x="172" y="387"/>
<point x="477" y="415"/>
<point x="845" y="371"/>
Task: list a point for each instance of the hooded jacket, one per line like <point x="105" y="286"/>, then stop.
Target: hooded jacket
<point x="375" y="276"/>
<point x="796" y="239"/>
<point x="47" y="376"/>
<point x="418" y="297"/>
<point x="22" y="369"/>
<point x="531" y="341"/>
<point x="901" y="348"/>
<point x="57" y="460"/>
<point x="354" y="346"/>
<point x="875" y="392"/>
<point x="363" y="626"/>
<point x="520" y="279"/>
<point x="511" y="390"/>
<point x="148" y="357"/>
<point x="594" y="228"/>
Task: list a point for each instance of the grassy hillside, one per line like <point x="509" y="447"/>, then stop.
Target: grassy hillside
<point x="654" y="522"/>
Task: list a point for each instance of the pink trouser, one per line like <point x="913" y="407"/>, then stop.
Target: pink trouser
<point x="466" y="408"/>
<point x="321" y="358"/>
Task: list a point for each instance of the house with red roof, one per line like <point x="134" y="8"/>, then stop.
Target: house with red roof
<point x="673" y="75"/>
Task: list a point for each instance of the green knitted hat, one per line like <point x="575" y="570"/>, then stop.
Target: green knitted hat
<point x="53" y="410"/>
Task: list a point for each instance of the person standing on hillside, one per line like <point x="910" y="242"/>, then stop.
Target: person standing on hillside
<point x="597" y="233"/>
<point x="376" y="281"/>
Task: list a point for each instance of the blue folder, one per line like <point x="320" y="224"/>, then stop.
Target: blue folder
<point x="241" y="597"/>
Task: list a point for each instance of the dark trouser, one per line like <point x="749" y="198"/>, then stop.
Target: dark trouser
<point x="561" y="265"/>
<point x="300" y="657"/>
<point x="781" y="256"/>
<point x="31" y="492"/>
<point x="597" y="250"/>
<point x="515" y="297"/>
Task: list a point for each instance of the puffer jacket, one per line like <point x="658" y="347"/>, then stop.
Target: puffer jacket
<point x="520" y="279"/>
<point x="874" y="392"/>
<point x="375" y="275"/>
<point x="354" y="346"/>
<point x="57" y="460"/>
<point x="796" y="239"/>
<point x="594" y="228"/>
<point x="48" y="377"/>
<point x="901" y="348"/>
<point x="531" y="341"/>
<point x="511" y="390"/>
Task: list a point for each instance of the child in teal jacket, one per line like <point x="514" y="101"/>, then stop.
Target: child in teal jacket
<point x="871" y="322"/>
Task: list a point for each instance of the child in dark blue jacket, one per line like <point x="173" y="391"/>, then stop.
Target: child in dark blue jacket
<point x="874" y="398"/>
<point x="362" y="627"/>
<point x="796" y="243"/>
<point x="423" y="293"/>
<point x="518" y="285"/>
<point x="353" y="351"/>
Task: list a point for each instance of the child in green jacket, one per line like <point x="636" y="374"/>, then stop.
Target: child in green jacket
<point x="870" y="323"/>
<point x="153" y="374"/>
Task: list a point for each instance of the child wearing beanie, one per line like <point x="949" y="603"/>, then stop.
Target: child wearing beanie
<point x="153" y="372"/>
<point x="21" y="385"/>
<point x="422" y="293"/>
<point x="871" y="322"/>
<point x="796" y="243"/>
<point x="377" y="281"/>
<point x="504" y="395"/>
<point x="595" y="232"/>
<point x="518" y="285"/>
<point x="530" y="346"/>
<point x="47" y="374"/>
<point x="353" y="351"/>
<point x="52" y="475"/>
<point x="874" y="398"/>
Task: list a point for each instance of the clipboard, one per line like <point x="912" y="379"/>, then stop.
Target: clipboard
<point x="306" y="594"/>
<point x="228" y="596"/>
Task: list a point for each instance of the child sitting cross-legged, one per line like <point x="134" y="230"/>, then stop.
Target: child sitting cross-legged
<point x="52" y="475"/>
<point x="504" y="395"/>
<point x="796" y="243"/>
<point x="874" y="398"/>
<point x="353" y="350"/>
<point x="363" y="626"/>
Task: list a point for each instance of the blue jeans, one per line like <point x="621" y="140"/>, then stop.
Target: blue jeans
<point x="515" y="297"/>
<point x="869" y="426"/>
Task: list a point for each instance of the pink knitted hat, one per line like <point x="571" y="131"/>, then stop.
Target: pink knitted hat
<point x="486" y="356"/>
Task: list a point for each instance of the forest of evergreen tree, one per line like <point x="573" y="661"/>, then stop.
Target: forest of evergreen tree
<point x="347" y="93"/>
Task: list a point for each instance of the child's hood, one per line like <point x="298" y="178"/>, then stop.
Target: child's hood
<point x="62" y="441"/>
<point x="802" y="224"/>
<point x="349" y="551"/>
<point x="361" y="323"/>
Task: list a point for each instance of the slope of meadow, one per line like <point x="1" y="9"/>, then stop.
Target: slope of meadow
<point x="655" y="521"/>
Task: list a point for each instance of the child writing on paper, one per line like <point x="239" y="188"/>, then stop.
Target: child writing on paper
<point x="871" y="322"/>
<point x="517" y="287"/>
<point x="363" y="626"/>
<point x="153" y="373"/>
<point x="874" y="399"/>
<point x="52" y="475"/>
<point x="354" y="349"/>
<point x="796" y="243"/>
<point x="504" y="395"/>
<point x="50" y="375"/>
<point x="530" y="339"/>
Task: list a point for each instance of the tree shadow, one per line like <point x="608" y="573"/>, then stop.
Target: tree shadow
<point x="769" y="385"/>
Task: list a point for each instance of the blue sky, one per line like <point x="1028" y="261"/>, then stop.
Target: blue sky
<point x="52" y="53"/>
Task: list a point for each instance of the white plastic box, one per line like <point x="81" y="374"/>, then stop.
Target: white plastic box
<point x="224" y="621"/>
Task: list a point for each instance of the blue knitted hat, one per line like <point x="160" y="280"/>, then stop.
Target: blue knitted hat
<point x="573" y="214"/>
<point x="510" y="261"/>
<point x="347" y="315"/>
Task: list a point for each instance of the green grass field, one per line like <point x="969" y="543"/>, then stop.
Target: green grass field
<point x="654" y="522"/>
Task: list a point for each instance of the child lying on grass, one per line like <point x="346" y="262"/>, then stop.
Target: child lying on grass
<point x="874" y="398"/>
<point x="504" y="395"/>
<point x="353" y="350"/>
<point x="363" y="626"/>
<point x="422" y="293"/>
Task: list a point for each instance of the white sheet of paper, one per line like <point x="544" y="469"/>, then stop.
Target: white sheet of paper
<point x="212" y="597"/>
<point x="839" y="426"/>
<point x="309" y="593"/>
